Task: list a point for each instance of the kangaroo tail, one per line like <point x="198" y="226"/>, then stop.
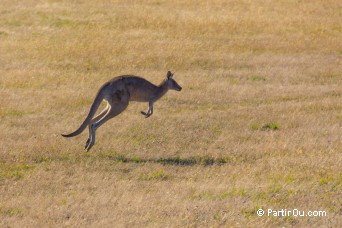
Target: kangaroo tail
<point x="97" y="101"/>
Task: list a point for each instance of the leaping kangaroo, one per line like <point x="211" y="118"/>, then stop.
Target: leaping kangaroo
<point x="118" y="92"/>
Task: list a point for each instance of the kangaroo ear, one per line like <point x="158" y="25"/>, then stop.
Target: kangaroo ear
<point x="169" y="75"/>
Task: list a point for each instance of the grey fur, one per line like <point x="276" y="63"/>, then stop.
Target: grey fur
<point x="118" y="92"/>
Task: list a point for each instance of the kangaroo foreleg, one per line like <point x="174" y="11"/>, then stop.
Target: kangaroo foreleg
<point x="149" y="111"/>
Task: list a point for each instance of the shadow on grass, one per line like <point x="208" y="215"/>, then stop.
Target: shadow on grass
<point x="178" y="161"/>
<point x="113" y="156"/>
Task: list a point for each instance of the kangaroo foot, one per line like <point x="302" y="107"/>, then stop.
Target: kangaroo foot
<point x="87" y="144"/>
<point x="145" y="114"/>
<point x="90" y="145"/>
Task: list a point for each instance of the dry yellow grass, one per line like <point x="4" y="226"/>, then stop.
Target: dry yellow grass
<point x="207" y="156"/>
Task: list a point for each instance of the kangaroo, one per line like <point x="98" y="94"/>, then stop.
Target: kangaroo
<point x="118" y="92"/>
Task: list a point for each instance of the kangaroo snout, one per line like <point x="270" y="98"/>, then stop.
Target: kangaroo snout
<point x="179" y="89"/>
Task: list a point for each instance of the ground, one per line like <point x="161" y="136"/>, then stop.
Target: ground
<point x="256" y="126"/>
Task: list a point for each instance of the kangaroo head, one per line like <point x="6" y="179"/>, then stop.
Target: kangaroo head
<point x="171" y="83"/>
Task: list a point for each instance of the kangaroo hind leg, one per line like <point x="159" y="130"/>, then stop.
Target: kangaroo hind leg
<point x="98" y="117"/>
<point x="115" y="108"/>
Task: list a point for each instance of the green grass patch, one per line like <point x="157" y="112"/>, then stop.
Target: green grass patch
<point x="237" y="192"/>
<point x="14" y="113"/>
<point x="250" y="212"/>
<point x="2" y="33"/>
<point x="274" y="194"/>
<point x="325" y="180"/>
<point x="265" y="127"/>
<point x="207" y="107"/>
<point x="289" y="179"/>
<point x="270" y="126"/>
<point x="257" y="78"/>
<point x="275" y="188"/>
<point x="136" y="160"/>
<point x="58" y="22"/>
<point x="205" y="195"/>
<point x="234" y="192"/>
<point x="58" y="158"/>
<point x="14" y="171"/>
<point x="254" y="127"/>
<point x="155" y="175"/>
<point x="11" y="211"/>
<point x="177" y="161"/>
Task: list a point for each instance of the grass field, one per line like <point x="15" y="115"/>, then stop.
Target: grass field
<point x="258" y="123"/>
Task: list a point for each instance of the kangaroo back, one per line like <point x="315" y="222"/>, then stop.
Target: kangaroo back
<point x="97" y="101"/>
